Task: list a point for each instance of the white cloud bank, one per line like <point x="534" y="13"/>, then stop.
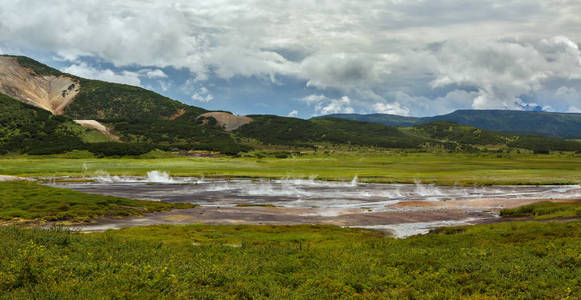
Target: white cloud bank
<point x="83" y="70"/>
<point x="405" y="57"/>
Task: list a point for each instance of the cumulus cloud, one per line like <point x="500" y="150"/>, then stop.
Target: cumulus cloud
<point x="86" y="71"/>
<point x="324" y="105"/>
<point x="503" y="70"/>
<point x="293" y="114"/>
<point x="414" y="57"/>
<point x="154" y="74"/>
<point x="202" y="95"/>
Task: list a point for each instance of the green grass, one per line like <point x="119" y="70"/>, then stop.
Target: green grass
<point x="26" y="201"/>
<point x="545" y="210"/>
<point x="516" y="261"/>
<point x="442" y="168"/>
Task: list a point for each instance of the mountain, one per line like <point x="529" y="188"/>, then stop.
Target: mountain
<point x="556" y="125"/>
<point x="131" y="114"/>
<point x="45" y="111"/>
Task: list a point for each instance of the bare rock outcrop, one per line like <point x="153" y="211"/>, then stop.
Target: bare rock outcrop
<point x="52" y="93"/>
<point x="226" y="120"/>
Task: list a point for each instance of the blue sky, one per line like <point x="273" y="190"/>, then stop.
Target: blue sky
<point x="301" y="58"/>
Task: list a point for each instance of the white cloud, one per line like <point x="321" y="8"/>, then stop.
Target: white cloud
<point x="86" y="71"/>
<point x="293" y="114"/>
<point x="568" y="93"/>
<point x="324" y="105"/>
<point x="390" y="108"/>
<point x="154" y="74"/>
<point x="165" y="86"/>
<point x="503" y="70"/>
<point x="202" y="95"/>
<point x="310" y="99"/>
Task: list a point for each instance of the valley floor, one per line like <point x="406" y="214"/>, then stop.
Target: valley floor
<point x="499" y="260"/>
<point x="380" y="167"/>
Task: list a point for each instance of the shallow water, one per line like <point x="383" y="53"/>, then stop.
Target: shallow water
<point x="303" y="193"/>
<point x="320" y="198"/>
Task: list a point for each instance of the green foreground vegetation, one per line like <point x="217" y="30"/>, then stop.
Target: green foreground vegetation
<point x="27" y="201"/>
<point x="397" y="167"/>
<point x="546" y="210"/>
<point x="510" y="260"/>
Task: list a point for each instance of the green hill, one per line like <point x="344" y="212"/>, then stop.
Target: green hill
<point x="292" y="131"/>
<point x="384" y="119"/>
<point x="24" y="128"/>
<point x="556" y="125"/>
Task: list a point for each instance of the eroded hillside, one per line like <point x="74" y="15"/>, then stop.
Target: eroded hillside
<point x="226" y="120"/>
<point x="49" y="92"/>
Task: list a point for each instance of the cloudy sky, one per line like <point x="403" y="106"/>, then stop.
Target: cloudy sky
<point x="306" y="58"/>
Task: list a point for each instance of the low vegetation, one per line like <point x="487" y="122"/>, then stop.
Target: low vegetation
<point x="380" y="167"/>
<point x="546" y="210"/>
<point x="455" y="137"/>
<point x="296" y="132"/>
<point x="514" y="260"/>
<point x="27" y="201"/>
<point x="27" y="129"/>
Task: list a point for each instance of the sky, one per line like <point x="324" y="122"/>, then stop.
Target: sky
<point x="310" y="58"/>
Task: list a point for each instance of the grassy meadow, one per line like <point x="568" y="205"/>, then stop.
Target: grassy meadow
<point x="521" y="260"/>
<point x="546" y="210"/>
<point x="395" y="167"/>
<point x="511" y="260"/>
<point x="22" y="201"/>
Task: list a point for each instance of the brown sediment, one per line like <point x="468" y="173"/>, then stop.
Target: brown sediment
<point x="479" y="203"/>
<point x="403" y="213"/>
<point x="283" y="216"/>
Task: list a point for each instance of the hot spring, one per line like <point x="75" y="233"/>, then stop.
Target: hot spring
<point x="322" y="201"/>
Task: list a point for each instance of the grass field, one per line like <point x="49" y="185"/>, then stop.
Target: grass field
<point x="443" y="168"/>
<point x="516" y="260"/>
<point x="545" y="210"/>
<point x="26" y="201"/>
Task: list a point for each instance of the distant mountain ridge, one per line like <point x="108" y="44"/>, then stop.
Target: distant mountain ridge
<point x="549" y="124"/>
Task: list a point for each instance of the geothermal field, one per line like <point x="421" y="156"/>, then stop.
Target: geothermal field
<point x="398" y="209"/>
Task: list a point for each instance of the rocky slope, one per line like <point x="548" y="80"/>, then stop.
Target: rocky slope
<point x="49" y="92"/>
